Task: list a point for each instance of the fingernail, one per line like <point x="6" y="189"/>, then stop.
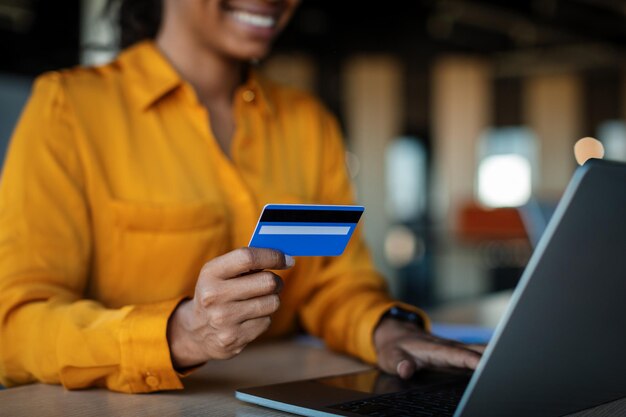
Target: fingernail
<point x="403" y="369"/>
<point x="399" y="368"/>
<point x="289" y="261"/>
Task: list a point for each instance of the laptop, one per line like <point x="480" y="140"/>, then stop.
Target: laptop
<point x="535" y="216"/>
<point x="559" y="347"/>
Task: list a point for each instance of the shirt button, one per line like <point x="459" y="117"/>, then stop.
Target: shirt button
<point x="152" y="381"/>
<point x="248" y="96"/>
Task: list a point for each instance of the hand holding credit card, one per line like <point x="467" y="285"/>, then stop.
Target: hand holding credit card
<point x="306" y="230"/>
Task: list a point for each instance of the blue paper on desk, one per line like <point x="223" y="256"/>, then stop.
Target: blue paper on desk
<point x="305" y="229"/>
<point x="463" y="332"/>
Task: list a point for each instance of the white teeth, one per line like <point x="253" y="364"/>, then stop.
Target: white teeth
<point x="254" y="19"/>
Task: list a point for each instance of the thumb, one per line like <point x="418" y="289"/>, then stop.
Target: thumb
<point x="396" y="361"/>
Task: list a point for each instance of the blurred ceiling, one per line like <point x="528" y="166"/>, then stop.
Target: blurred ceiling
<point x="581" y="33"/>
<point x="520" y="35"/>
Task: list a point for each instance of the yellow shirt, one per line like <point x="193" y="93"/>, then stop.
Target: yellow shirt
<point x="115" y="192"/>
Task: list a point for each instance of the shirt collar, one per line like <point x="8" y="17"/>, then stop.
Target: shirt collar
<point x="153" y="77"/>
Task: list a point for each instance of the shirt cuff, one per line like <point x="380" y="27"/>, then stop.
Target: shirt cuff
<point x="146" y="362"/>
<point x="370" y="322"/>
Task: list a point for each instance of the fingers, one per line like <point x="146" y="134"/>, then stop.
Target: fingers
<point x="234" y="298"/>
<point x="406" y="354"/>
<point x="256" y="307"/>
<point x="477" y="348"/>
<point x="232" y="326"/>
<point x="231" y="341"/>
<point x="232" y="314"/>
<point x="243" y="260"/>
<point x="253" y="285"/>
<point x="251" y="329"/>
<point x="395" y="361"/>
<point x="432" y="354"/>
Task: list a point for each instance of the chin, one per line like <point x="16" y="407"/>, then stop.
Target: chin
<point x="248" y="52"/>
<point x="254" y="56"/>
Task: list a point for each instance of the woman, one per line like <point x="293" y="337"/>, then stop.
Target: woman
<point x="123" y="180"/>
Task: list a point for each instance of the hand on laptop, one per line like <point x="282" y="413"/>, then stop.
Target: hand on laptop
<point x="234" y="298"/>
<point x="403" y="348"/>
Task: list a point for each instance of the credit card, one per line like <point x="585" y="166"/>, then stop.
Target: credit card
<point x="306" y="230"/>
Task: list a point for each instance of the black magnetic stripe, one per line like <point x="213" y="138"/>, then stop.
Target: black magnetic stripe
<point x="311" y="216"/>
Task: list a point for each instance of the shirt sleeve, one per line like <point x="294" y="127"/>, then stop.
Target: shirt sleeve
<point x="48" y="331"/>
<point x="350" y="296"/>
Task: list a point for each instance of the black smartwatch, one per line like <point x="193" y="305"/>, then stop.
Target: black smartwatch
<point x="401" y="314"/>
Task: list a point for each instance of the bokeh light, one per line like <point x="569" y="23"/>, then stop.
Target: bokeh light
<point x="504" y="181"/>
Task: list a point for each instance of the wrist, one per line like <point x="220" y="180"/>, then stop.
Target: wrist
<point x="390" y="329"/>
<point x="397" y="322"/>
<point x="403" y="315"/>
<point x="183" y="350"/>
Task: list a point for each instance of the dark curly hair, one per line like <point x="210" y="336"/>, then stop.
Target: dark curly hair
<point x="137" y="19"/>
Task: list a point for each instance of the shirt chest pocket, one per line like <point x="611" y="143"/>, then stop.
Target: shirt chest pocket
<point x="157" y="250"/>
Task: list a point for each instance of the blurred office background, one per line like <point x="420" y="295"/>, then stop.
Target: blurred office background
<point x="460" y="116"/>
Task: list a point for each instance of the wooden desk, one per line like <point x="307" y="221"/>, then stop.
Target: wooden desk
<point x="210" y="391"/>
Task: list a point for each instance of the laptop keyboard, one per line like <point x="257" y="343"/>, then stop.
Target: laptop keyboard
<point x="440" y="402"/>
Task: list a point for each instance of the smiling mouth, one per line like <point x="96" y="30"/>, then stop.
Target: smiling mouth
<point x="254" y="19"/>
